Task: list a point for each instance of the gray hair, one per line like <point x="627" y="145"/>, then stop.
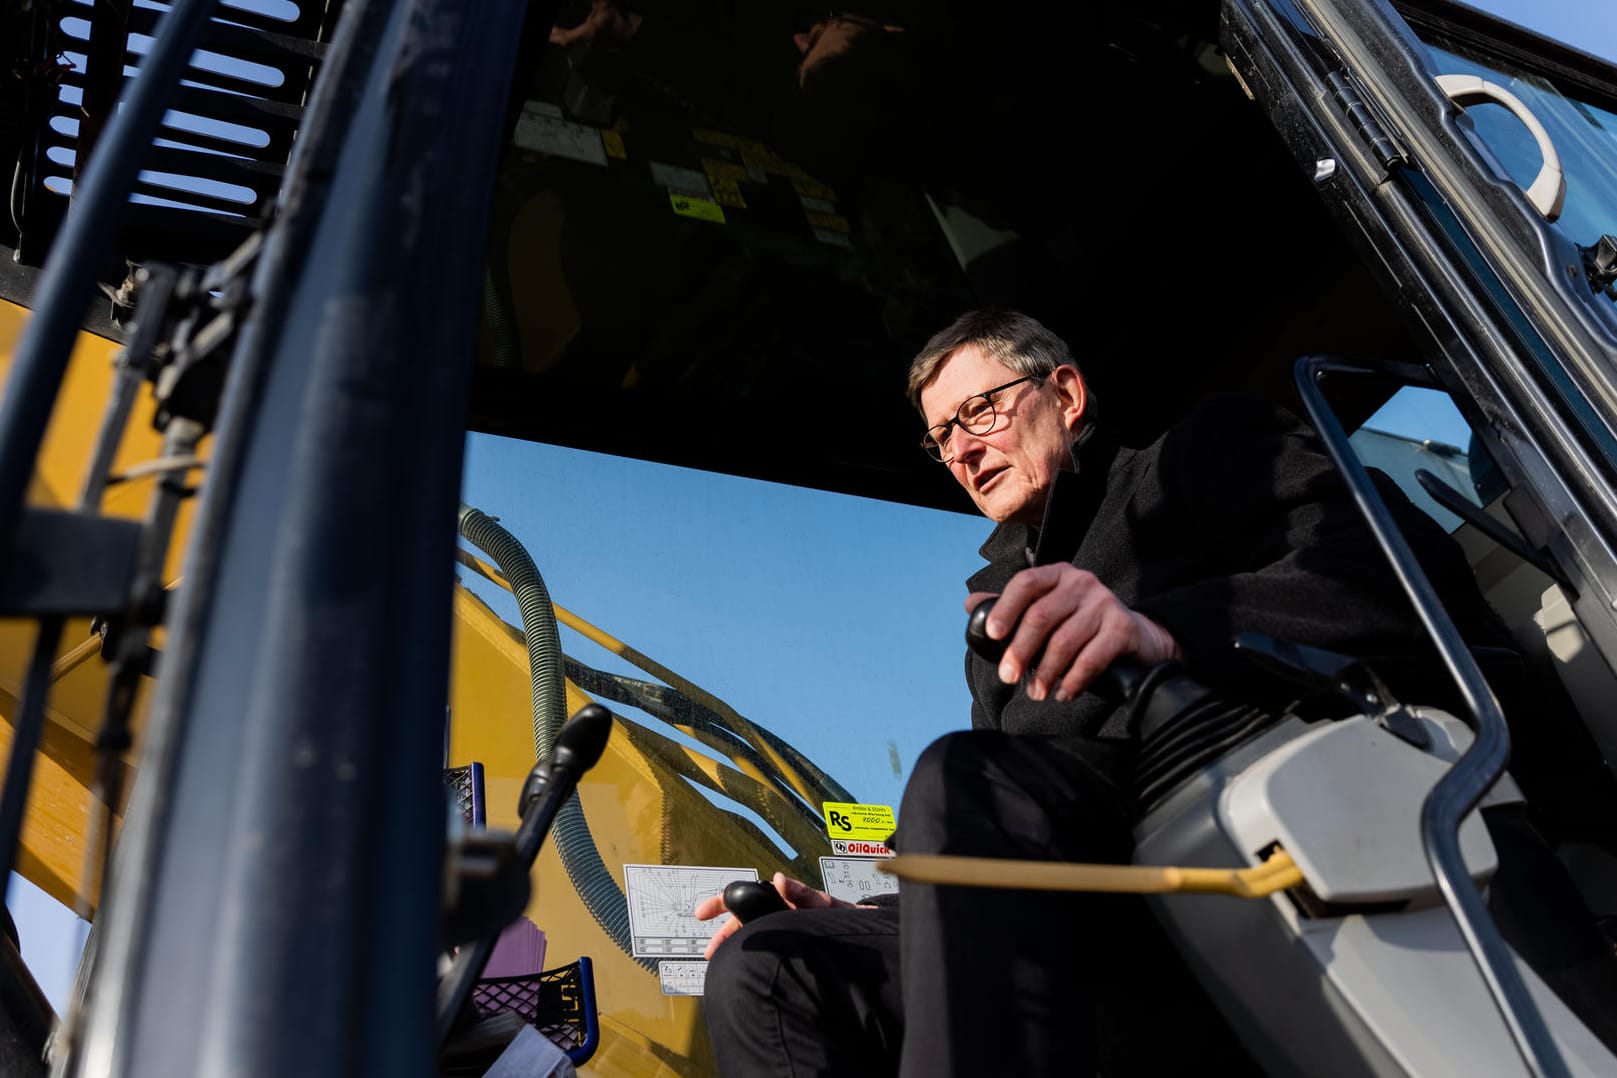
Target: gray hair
<point x="1017" y="341"/>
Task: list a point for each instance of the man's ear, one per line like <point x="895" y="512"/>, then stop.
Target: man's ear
<point x="1072" y="395"/>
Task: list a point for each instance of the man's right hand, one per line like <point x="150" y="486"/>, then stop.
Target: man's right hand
<point x="798" y="896"/>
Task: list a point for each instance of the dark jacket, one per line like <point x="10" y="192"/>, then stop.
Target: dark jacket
<point x="1234" y="520"/>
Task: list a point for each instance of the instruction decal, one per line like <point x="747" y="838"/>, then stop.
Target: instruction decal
<point x="540" y="127"/>
<point x="682" y="977"/>
<point x="869" y="822"/>
<point x="855" y="879"/>
<point x="662" y="907"/>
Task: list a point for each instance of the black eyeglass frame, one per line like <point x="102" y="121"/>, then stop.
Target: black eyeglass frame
<point x="936" y="447"/>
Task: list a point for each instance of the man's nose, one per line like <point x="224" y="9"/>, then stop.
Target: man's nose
<point x="966" y="446"/>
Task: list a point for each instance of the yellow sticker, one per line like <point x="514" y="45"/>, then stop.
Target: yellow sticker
<point x="725" y="170"/>
<point x="727" y="192"/>
<point x="699" y="208"/>
<point x="760" y="156"/>
<point x="828" y="220"/>
<point x="714" y="138"/>
<point x="614" y="145"/>
<point x="813" y="189"/>
<point x="863" y="822"/>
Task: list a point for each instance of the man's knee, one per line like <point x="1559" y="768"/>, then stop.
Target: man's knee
<point x="988" y="793"/>
<point x="743" y="971"/>
<point x="945" y="809"/>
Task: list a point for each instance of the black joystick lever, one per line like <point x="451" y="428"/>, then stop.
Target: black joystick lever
<point x="750" y="900"/>
<point x="977" y="638"/>
<point x="1117" y="683"/>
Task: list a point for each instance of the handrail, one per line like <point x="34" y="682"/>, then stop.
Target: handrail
<point x="1482" y="763"/>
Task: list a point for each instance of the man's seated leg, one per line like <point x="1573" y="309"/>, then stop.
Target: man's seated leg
<point x="995" y="981"/>
<point x="807" y="992"/>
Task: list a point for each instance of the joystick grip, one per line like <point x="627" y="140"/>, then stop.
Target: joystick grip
<point x="749" y="900"/>
<point x="977" y="638"/>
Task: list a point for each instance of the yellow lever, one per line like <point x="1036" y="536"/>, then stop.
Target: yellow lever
<point x="1275" y="874"/>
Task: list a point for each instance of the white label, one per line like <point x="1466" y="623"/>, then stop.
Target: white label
<point x="682" y="978"/>
<point x="855" y="879"/>
<point x="551" y="134"/>
<point x="662" y="907"/>
<point x="685" y="181"/>
<point x="859" y="848"/>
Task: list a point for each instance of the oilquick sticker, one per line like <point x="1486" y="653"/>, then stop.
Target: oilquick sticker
<point x="681" y="977"/>
<point x="860" y="848"/>
<point x="541" y="128"/>
<point x="699" y="208"/>
<point x="869" y="822"/>
<point x="817" y="205"/>
<point x="613" y="144"/>
<point x="835" y="239"/>
<point x="662" y="907"/>
<point x="684" y="181"/>
<point x="855" y="879"/>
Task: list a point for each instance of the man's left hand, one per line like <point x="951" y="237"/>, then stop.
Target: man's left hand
<point x="1078" y="625"/>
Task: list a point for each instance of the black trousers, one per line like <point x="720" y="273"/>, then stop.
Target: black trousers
<point x="974" y="981"/>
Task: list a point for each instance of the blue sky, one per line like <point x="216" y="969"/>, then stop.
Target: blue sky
<point x="835" y="621"/>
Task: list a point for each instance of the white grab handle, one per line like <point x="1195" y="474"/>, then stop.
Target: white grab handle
<point x="1547" y="192"/>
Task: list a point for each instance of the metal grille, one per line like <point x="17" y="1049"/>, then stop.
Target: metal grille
<point x="217" y="166"/>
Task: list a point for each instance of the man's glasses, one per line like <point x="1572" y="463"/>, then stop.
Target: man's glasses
<point x="976" y="415"/>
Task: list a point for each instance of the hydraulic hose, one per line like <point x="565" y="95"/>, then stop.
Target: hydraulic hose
<point x="547" y="677"/>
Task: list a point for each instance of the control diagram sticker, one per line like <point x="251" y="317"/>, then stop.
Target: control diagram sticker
<point x="662" y="904"/>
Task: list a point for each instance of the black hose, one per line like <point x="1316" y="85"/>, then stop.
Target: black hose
<point x="579" y="855"/>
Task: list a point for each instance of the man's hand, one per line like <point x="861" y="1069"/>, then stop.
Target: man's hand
<point x="606" y="24"/>
<point x="798" y="896"/>
<point x="1078" y="624"/>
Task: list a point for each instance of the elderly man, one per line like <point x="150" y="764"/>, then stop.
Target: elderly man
<point x="1233" y="520"/>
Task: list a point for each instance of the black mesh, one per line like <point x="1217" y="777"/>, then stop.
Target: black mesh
<point x="553" y="1002"/>
<point x="459" y="781"/>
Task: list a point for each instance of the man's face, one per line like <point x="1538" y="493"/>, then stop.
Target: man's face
<point x="1009" y="471"/>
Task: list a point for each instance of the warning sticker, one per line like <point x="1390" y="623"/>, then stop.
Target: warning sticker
<point x="807" y="187"/>
<point x="699" y="208"/>
<point x="872" y="822"/>
<point x="613" y="142"/>
<point x="714" y="138"/>
<point x="662" y="907"/>
<point x="832" y="221"/>
<point x="727" y="192"/>
<point x="855" y="879"/>
<point x="683" y="978"/>
<point x="725" y="170"/>
<point x="843" y="847"/>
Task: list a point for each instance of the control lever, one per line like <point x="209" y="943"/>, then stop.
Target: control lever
<point x="1343" y="675"/>
<point x="749" y="900"/>
<point x="1118" y="683"/>
<point x="579" y="745"/>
